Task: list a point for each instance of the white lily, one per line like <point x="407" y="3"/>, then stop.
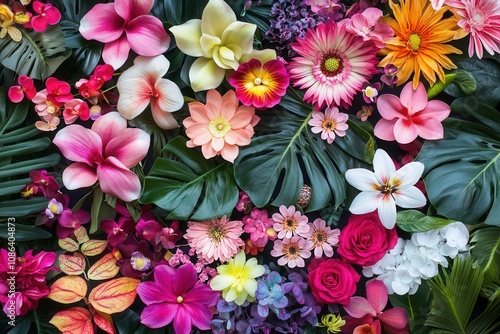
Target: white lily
<point x="386" y="187"/>
<point x="220" y="41"/>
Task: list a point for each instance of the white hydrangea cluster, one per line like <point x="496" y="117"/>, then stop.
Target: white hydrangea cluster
<point x="403" y="268"/>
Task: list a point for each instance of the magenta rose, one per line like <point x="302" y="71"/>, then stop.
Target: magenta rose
<point x="365" y="240"/>
<point x="333" y="281"/>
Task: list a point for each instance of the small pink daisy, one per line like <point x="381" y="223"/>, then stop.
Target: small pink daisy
<point x="330" y="123"/>
<point x="215" y="239"/>
<point x="322" y="238"/>
<point x="292" y="251"/>
<point x="290" y="222"/>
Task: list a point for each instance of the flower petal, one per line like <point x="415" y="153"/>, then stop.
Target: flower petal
<point x="129" y="147"/>
<point x="134" y="96"/>
<point x="109" y="126"/>
<point x="182" y="321"/>
<point x="79" y="175"/>
<point x="185" y="278"/>
<point x="430" y="129"/>
<point x="436" y="109"/>
<point x="187" y="37"/>
<point x="170" y="97"/>
<point x="383" y="166"/>
<point x="150" y="293"/>
<point x="384" y="129"/>
<point x="389" y="106"/>
<point x="240" y="34"/>
<point x="395" y="317"/>
<point x="147" y="37"/>
<point x="405" y="131"/>
<point x="163" y="119"/>
<point x="361" y="179"/>
<point x="79" y="144"/>
<point x="230" y="152"/>
<point x="158" y="315"/>
<point x="365" y="202"/>
<point x="359" y="307"/>
<point x="199" y="314"/>
<point x="117" y="180"/>
<point x="410" y="197"/>
<point x="409" y="174"/>
<point x="215" y="18"/>
<point x="129" y="9"/>
<point x="204" y="74"/>
<point x="116" y="53"/>
<point x="377" y="295"/>
<point x="387" y="211"/>
<point x="102" y="24"/>
<point x="414" y="100"/>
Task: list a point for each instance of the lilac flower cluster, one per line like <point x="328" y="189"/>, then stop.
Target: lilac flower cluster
<point x="282" y="304"/>
<point x="290" y="19"/>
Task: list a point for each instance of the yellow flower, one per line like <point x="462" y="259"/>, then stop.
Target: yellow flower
<point x="237" y="279"/>
<point x="419" y="45"/>
<point x="332" y="322"/>
<point x="7" y="24"/>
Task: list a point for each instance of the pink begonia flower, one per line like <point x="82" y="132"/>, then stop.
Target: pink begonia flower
<point x="410" y="115"/>
<point x="367" y="25"/>
<point x="104" y="153"/>
<point x="142" y="84"/>
<point x="370" y="310"/>
<point x="48" y="15"/>
<point x="124" y="25"/>
<point x="75" y="109"/>
<point x="16" y="93"/>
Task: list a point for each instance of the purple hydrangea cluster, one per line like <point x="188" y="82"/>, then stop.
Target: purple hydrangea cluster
<point x="290" y="19"/>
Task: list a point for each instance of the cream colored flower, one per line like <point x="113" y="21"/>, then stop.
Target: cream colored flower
<point x="7" y="24"/>
<point x="220" y="41"/>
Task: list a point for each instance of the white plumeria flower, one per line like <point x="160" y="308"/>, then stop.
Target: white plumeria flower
<point x="385" y="188"/>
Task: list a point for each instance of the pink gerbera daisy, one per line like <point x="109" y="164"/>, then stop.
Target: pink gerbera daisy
<point x="292" y="251"/>
<point x="290" y="222"/>
<point x="333" y="64"/>
<point x="330" y="123"/>
<point x="481" y="18"/>
<point x="322" y="238"/>
<point x="215" y="239"/>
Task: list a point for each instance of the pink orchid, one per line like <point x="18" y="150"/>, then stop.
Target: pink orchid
<point x="49" y="123"/>
<point x="58" y="92"/>
<point x="368" y="312"/>
<point x="411" y="115"/>
<point x="142" y="84"/>
<point x="48" y="15"/>
<point x="125" y="25"/>
<point x="104" y="153"/>
<point x="75" y="109"/>
<point x="117" y="231"/>
<point x="16" y="93"/>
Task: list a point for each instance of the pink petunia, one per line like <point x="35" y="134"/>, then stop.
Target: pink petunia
<point x="47" y="15"/>
<point x="104" y="153"/>
<point x="410" y="115"/>
<point x="123" y="25"/>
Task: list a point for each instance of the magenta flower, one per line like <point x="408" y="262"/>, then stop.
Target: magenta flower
<point x="371" y="310"/>
<point x="16" y="93"/>
<point x="104" y="153"/>
<point x="117" y="231"/>
<point x="177" y="296"/>
<point x="259" y="226"/>
<point x="47" y="15"/>
<point x="411" y="115"/>
<point x="124" y="25"/>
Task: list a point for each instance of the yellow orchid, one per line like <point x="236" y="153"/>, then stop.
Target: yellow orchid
<point x="220" y="41"/>
<point x="7" y="24"/>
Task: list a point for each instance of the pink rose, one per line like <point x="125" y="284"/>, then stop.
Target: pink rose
<point x="333" y="281"/>
<point x="365" y="240"/>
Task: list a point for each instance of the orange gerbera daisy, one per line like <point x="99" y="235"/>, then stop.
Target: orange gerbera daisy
<point x="419" y="45"/>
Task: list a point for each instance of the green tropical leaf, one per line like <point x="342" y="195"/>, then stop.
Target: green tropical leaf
<point x="485" y="250"/>
<point x="415" y="221"/>
<point x="471" y="107"/>
<point x="285" y="155"/>
<point x="25" y="232"/>
<point x="37" y="55"/>
<point x="462" y="179"/>
<point x="463" y="83"/>
<point x="190" y="187"/>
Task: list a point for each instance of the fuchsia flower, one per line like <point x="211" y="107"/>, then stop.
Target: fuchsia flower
<point x="42" y="183"/>
<point x="176" y="296"/>
<point x="259" y="226"/>
<point x="58" y="92"/>
<point x="124" y="25"/>
<point x="104" y="153"/>
<point x="142" y="84"/>
<point x="117" y="231"/>
<point x="16" y="93"/>
<point x="48" y="15"/>
<point x="92" y="87"/>
<point x="411" y="115"/>
<point x="370" y="311"/>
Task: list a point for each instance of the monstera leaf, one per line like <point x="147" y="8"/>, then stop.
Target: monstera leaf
<point x="278" y="162"/>
<point x="37" y="55"/>
<point x="190" y="187"/>
<point x="462" y="179"/>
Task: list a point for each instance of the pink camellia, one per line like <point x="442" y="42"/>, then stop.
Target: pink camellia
<point x="47" y="15"/>
<point x="410" y="115"/>
<point x="16" y="93"/>
<point x="332" y="281"/>
<point x="104" y="153"/>
<point x="369" y="315"/>
<point x="177" y="296"/>
<point x="123" y="25"/>
<point x="365" y="240"/>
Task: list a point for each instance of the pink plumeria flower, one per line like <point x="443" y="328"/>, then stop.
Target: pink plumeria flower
<point x="16" y="93"/>
<point x="293" y="251"/>
<point x="75" y="109"/>
<point x="290" y="222"/>
<point x="322" y="238"/>
<point x="385" y="188"/>
<point x="143" y="84"/>
<point x="104" y="153"/>
<point x="330" y="123"/>
<point x="123" y="25"/>
<point x="410" y="115"/>
<point x="371" y="310"/>
<point x="47" y="15"/>
<point x="366" y="24"/>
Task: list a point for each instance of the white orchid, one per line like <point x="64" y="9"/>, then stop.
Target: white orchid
<point x="385" y="188"/>
<point x="220" y="41"/>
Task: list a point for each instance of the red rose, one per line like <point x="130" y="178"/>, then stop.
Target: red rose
<point x="333" y="281"/>
<point x="365" y="240"/>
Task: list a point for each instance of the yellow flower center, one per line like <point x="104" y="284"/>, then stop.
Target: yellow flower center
<point x="291" y="250"/>
<point x="180" y="299"/>
<point x="216" y="233"/>
<point x="414" y="42"/>
<point x="328" y="125"/>
<point x="219" y="126"/>
<point x="21" y="18"/>
<point x="332" y="64"/>
<point x="257" y="81"/>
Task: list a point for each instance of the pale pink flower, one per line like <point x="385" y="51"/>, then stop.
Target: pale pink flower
<point x="481" y="19"/>
<point x="220" y="126"/>
<point x="293" y="251"/>
<point x="49" y="123"/>
<point x="143" y="84"/>
<point x="104" y="153"/>
<point x="322" y="238"/>
<point x="215" y="239"/>
<point x="330" y="123"/>
<point x="366" y="24"/>
<point x="123" y="25"/>
<point x="290" y="222"/>
<point x="410" y="115"/>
